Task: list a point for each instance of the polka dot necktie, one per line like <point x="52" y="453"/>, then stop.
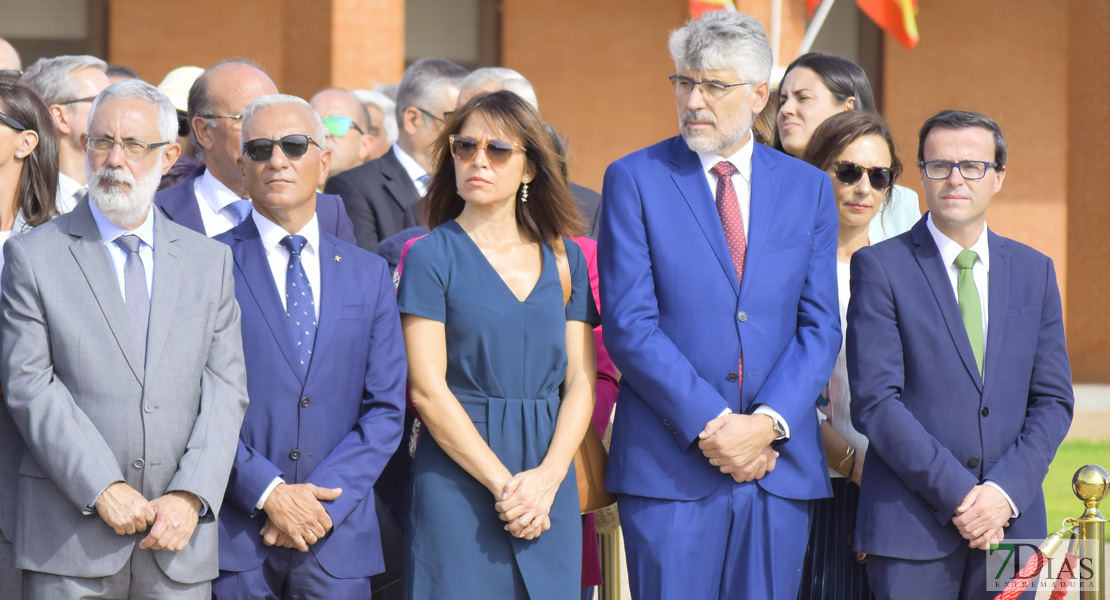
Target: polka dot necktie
<point x="299" y="304"/>
<point x="733" y="222"/>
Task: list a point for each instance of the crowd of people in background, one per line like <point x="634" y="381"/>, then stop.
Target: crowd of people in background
<point x="261" y="346"/>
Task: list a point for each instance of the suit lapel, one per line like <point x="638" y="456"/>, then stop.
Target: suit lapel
<point x="250" y="257"/>
<point x="693" y="186"/>
<point x="179" y="203"/>
<point x="91" y="255"/>
<point x="765" y="188"/>
<point x="329" y="297"/>
<point x="167" y="278"/>
<point x="935" y="271"/>
<point x="398" y="183"/>
<point x="998" y="303"/>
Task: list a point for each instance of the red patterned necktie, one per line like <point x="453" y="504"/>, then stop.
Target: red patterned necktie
<point x="729" y="208"/>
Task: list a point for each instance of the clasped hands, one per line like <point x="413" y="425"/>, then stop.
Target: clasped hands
<point x="740" y="445"/>
<point x="172" y="518"/>
<point x="525" y="502"/>
<point x="982" y="516"/>
<point x="295" y="516"/>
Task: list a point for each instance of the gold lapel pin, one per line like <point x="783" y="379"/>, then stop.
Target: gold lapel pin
<point x="338" y="258"/>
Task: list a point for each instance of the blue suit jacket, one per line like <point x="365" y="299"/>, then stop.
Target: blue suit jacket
<point x="675" y="317"/>
<point x="179" y="203"/>
<point x="344" y="417"/>
<point x="936" y="428"/>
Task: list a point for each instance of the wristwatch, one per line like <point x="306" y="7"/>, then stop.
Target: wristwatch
<point x="779" y="427"/>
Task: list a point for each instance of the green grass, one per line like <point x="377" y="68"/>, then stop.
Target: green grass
<point x="1060" y="502"/>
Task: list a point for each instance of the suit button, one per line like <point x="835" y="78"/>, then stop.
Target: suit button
<point x="305" y="401"/>
<point x="733" y="376"/>
<point x="295" y="454"/>
<point x="138" y="463"/>
<point x="986" y="411"/>
<point x="742" y="316"/>
<point x="148" y="407"/>
<point x="973" y="462"/>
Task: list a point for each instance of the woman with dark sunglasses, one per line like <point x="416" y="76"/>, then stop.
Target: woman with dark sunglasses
<point x="856" y="149"/>
<point x="28" y="182"/>
<point x="817" y="86"/>
<point x="498" y="321"/>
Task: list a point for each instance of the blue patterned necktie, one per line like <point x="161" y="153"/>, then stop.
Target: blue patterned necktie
<point x="134" y="286"/>
<point x="240" y="208"/>
<point x="299" y="304"/>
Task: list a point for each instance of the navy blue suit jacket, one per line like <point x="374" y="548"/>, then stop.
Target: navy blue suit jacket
<point x="179" y="203"/>
<point x="343" y="418"/>
<point x="380" y="198"/>
<point x="936" y="428"/>
<point x="675" y="317"/>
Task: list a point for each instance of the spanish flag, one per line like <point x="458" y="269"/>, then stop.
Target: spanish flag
<point x="896" y="17"/>
<point x="700" y="7"/>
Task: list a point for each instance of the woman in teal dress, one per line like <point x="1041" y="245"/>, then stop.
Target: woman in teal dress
<point x="501" y="371"/>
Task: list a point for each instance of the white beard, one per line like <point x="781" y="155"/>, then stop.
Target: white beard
<point x="716" y="142"/>
<point x="128" y="206"/>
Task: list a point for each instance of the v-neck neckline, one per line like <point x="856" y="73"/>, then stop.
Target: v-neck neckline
<point x="504" y="284"/>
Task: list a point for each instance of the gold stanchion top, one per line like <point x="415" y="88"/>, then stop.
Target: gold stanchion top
<point x="1090" y="484"/>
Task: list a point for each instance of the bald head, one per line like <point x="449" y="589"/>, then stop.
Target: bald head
<point x="350" y="145"/>
<point x="216" y="100"/>
<point x="9" y="58"/>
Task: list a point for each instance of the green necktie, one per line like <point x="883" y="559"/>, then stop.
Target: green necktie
<point x="970" y="308"/>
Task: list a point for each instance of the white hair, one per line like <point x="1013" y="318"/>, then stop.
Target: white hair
<point x="507" y="79"/>
<point x="319" y="134"/>
<point x="388" y="108"/>
<point x="137" y="89"/>
<point x="723" y="40"/>
<point x="52" y="78"/>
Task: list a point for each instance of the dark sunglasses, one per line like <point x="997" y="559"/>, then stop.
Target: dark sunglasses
<point x="849" y="173"/>
<point x="11" y="73"/>
<point x="183" y="124"/>
<point x="294" y="146"/>
<point x="497" y="152"/>
<point x="340" y="126"/>
<point x="10" y="122"/>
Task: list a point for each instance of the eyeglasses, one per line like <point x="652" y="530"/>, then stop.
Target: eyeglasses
<point x="969" y="169"/>
<point x="849" y="173"/>
<point x="232" y="117"/>
<point x="11" y="73"/>
<point x="446" y="115"/>
<point x="497" y="152"/>
<point x="10" y="122"/>
<point x="294" y="146"/>
<point x="340" y="126"/>
<point x="710" y="90"/>
<point x="131" y="148"/>
<point x="76" y="100"/>
<point x="183" y="127"/>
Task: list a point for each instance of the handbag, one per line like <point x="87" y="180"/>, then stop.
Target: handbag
<point x="591" y="458"/>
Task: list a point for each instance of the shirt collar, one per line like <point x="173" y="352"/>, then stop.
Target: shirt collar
<point x="67" y="186"/>
<point x="742" y="159"/>
<point x="950" y="249"/>
<point x="109" y="231"/>
<point x="409" y="163"/>
<point x="215" y="192"/>
<point x="272" y="233"/>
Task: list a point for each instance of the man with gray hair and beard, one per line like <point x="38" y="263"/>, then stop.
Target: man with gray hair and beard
<point x="122" y="368"/>
<point x="717" y="259"/>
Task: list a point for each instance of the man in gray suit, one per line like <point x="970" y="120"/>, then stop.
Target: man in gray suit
<point x="122" y="367"/>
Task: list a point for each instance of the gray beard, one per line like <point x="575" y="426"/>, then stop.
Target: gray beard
<point x="125" y="208"/>
<point x="710" y="144"/>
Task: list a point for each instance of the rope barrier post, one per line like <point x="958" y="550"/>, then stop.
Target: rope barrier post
<point x="1090" y="485"/>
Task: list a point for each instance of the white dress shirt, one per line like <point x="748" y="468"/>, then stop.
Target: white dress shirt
<point x="742" y="183"/>
<point x="278" y="259"/>
<point x="213" y="198"/>
<point x="69" y="193"/>
<point x="413" y="168"/>
<point x="980" y="272"/>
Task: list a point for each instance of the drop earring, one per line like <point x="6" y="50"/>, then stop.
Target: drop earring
<point x="524" y="192"/>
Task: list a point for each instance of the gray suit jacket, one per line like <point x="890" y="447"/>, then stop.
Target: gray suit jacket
<point x="91" y="412"/>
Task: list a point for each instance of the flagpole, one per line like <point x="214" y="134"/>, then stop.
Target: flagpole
<point x="776" y="28"/>
<point x="815" y="26"/>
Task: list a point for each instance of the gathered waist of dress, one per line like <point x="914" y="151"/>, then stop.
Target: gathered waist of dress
<point x="478" y="407"/>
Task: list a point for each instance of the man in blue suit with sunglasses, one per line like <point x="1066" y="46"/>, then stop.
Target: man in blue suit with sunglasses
<point x="718" y="287"/>
<point x="326" y="368"/>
